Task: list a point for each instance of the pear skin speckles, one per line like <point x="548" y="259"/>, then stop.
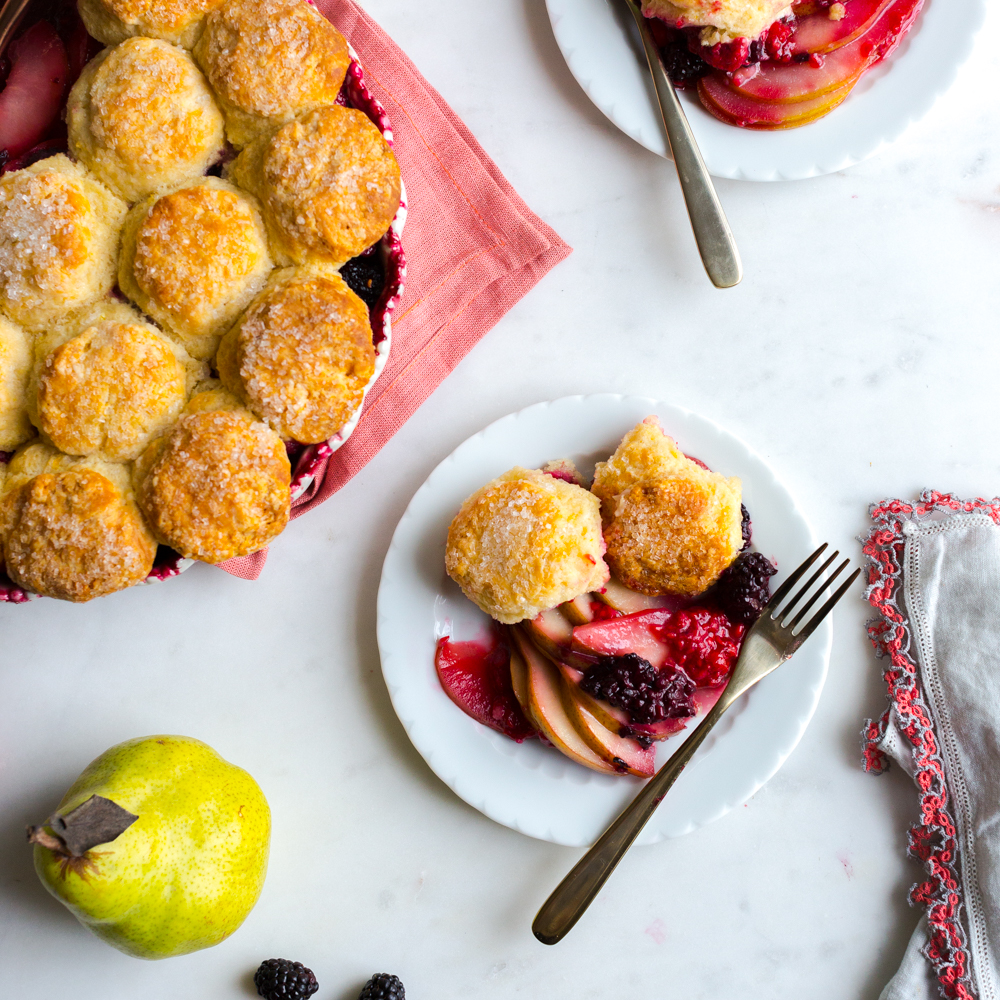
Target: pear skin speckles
<point x="185" y="875"/>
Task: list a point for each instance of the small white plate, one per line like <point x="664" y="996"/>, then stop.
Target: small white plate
<point x="601" y="47"/>
<point x="530" y="787"/>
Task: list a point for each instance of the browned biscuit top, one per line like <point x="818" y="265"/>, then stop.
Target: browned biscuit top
<point x="73" y="535"/>
<point x="215" y="487"/>
<point x="675" y="534"/>
<point x="106" y="391"/>
<point x="329" y="184"/>
<point x="301" y="355"/>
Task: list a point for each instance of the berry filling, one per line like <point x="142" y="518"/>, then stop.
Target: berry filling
<point x="649" y="694"/>
<point x="703" y="643"/>
<point x="365" y="276"/>
<point x="785" y="78"/>
<point x="476" y="676"/>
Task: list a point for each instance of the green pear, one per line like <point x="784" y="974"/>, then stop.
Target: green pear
<point x="160" y="847"/>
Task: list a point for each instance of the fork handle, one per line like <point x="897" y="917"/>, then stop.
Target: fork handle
<point x="577" y="890"/>
<point x="715" y="240"/>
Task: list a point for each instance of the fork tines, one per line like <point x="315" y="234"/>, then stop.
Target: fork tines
<point x="773" y="606"/>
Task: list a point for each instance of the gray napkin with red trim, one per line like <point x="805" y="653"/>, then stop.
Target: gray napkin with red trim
<point x="934" y="579"/>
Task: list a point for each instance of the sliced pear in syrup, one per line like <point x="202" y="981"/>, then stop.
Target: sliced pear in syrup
<point x="622" y="753"/>
<point x="549" y="712"/>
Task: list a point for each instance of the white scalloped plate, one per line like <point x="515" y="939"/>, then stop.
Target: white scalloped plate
<point x="598" y="42"/>
<point x="529" y="787"/>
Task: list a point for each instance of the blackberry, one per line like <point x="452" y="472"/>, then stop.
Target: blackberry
<point x="746" y="529"/>
<point x="279" y="979"/>
<point x="648" y="694"/>
<point x="382" y="986"/>
<point x="365" y="277"/>
<point x="682" y="65"/>
<point x="744" y="588"/>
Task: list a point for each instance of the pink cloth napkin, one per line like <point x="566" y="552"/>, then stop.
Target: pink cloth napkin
<point x="934" y="580"/>
<point x="473" y="249"/>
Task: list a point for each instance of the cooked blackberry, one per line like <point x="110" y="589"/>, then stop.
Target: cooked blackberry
<point x="682" y="65"/>
<point x="744" y="588"/>
<point x="382" y="986"/>
<point x="745" y="527"/>
<point x="648" y="694"/>
<point x="280" y="979"/>
<point x="365" y="277"/>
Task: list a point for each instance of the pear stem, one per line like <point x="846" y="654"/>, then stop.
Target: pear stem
<point x="38" y="835"/>
<point x="96" y="821"/>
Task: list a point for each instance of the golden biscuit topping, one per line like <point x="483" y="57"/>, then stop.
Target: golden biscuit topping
<point x="107" y="391"/>
<point x="330" y="185"/>
<point x="142" y="116"/>
<point x="44" y="234"/>
<point x="15" y="366"/>
<point x="73" y="535"/>
<point x="731" y="18"/>
<point x="167" y="15"/>
<point x="526" y="542"/>
<point x="303" y="355"/>
<point x="58" y="232"/>
<point x="646" y="450"/>
<point x="137" y="107"/>
<point x="200" y="254"/>
<point x="272" y="58"/>
<point x="216" y="487"/>
<point x="676" y="533"/>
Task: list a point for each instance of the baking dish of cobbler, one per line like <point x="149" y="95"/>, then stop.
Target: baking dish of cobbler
<point x="200" y="253"/>
<point x="506" y="565"/>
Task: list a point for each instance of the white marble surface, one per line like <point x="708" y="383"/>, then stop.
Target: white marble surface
<point x="859" y="356"/>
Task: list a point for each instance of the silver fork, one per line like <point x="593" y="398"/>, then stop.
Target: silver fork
<point x="771" y="641"/>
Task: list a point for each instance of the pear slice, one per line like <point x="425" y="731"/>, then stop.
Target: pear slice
<point x="636" y="633"/>
<point x="548" y="711"/>
<point x="551" y="631"/>
<point x="519" y="679"/>
<point x="620" y="752"/>
<point x="616" y="595"/>
<point x="578" y="610"/>
<point x="607" y="715"/>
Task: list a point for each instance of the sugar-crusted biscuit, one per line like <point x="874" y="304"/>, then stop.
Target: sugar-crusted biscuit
<point x="59" y="232"/>
<point x="526" y="542"/>
<point x="142" y="117"/>
<point x="216" y="486"/>
<point x="270" y="61"/>
<point x="69" y="528"/>
<point x="301" y="355"/>
<point x="112" y="387"/>
<point x="15" y="369"/>
<point x="646" y="450"/>
<point x="112" y="21"/>
<point x="721" y="20"/>
<point x="675" y="533"/>
<point x="192" y="259"/>
<point x="328" y="183"/>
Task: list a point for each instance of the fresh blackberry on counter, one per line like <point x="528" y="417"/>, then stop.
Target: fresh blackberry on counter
<point x="279" y="979"/>
<point x="744" y="588"/>
<point x="648" y="694"/>
<point x="365" y="277"/>
<point x="382" y="986"/>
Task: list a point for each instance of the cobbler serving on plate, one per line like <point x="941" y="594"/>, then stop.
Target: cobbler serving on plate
<point x="767" y="64"/>
<point x="619" y="606"/>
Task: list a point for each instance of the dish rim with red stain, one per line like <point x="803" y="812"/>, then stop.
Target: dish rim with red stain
<point x="529" y="787"/>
